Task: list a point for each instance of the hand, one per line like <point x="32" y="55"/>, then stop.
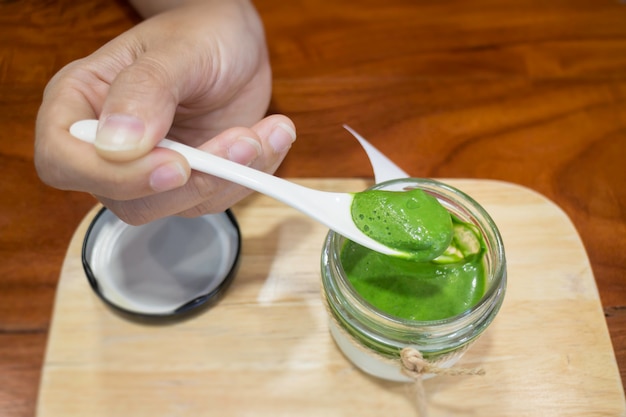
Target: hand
<point x="198" y="73"/>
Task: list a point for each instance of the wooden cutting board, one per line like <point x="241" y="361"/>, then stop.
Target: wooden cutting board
<point x="265" y="350"/>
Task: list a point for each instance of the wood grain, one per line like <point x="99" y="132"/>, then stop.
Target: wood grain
<point x="265" y="348"/>
<point x="524" y="91"/>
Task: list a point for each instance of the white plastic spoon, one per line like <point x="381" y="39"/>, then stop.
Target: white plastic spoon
<point x="329" y="208"/>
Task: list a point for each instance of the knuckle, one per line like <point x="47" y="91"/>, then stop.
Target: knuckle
<point x="134" y="213"/>
<point x="147" y="77"/>
<point x="48" y="169"/>
<point x="202" y="209"/>
<point x="203" y="187"/>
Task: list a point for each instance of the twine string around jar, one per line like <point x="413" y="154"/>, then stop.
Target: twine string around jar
<point x="415" y="366"/>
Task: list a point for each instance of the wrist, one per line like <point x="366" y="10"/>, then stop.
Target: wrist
<point x="149" y="8"/>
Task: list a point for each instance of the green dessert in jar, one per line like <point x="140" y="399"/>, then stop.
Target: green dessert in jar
<point x="444" y="277"/>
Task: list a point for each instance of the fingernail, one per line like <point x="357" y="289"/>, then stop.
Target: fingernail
<point x="167" y="177"/>
<point x="244" y="150"/>
<point x="119" y="132"/>
<point x="282" y="137"/>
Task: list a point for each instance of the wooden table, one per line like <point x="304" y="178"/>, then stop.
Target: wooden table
<point x="528" y="92"/>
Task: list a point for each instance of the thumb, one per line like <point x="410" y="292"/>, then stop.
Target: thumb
<point x="138" y="110"/>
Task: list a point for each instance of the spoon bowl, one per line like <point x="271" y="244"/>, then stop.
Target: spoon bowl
<point x="329" y="208"/>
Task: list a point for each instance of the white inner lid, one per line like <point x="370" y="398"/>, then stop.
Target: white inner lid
<point x="158" y="267"/>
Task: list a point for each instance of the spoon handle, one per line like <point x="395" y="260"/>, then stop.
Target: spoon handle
<point x="317" y="204"/>
<point x="275" y="187"/>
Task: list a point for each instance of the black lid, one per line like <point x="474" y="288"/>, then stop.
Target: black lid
<point x="164" y="269"/>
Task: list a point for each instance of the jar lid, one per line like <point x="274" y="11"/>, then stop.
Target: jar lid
<point x="164" y="269"/>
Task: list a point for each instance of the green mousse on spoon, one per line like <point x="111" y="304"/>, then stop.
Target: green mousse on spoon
<point x="410" y="221"/>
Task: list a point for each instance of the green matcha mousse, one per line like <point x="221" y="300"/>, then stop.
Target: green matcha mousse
<point x="412" y="221"/>
<point x="444" y="275"/>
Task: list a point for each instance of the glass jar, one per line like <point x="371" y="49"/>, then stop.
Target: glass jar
<point x="373" y="339"/>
